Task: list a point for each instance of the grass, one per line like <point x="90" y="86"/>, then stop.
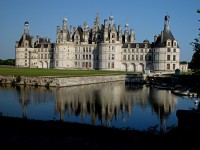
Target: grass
<point x="35" y="72"/>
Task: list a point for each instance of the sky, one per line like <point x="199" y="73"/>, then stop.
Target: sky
<point x="146" y="17"/>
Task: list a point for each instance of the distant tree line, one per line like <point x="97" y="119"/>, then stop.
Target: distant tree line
<point x="10" y="62"/>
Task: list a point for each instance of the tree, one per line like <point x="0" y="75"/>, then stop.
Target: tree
<point x="195" y="62"/>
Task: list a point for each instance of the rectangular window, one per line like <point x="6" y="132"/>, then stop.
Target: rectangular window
<point x="168" y="57"/>
<point x="113" y="65"/>
<point x="128" y="57"/>
<point x="174" y="50"/>
<point x="136" y="57"/>
<point x="108" y="65"/>
<point x="141" y="57"/>
<point x="83" y="57"/>
<point x="113" y="57"/>
<point x="168" y="43"/>
<point x="124" y="58"/>
<point x="174" y="66"/>
<point x="168" y="50"/>
<point x="175" y="44"/>
<point x="83" y="64"/>
<point x="174" y="57"/>
<point x="168" y="66"/>
<point x="132" y="57"/>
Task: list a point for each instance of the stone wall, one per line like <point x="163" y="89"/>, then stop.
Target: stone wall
<point x="59" y="82"/>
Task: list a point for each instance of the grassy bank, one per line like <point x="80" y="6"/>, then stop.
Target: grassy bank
<point x="35" y="72"/>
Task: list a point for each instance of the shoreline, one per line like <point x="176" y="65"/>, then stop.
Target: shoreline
<point x="37" y="134"/>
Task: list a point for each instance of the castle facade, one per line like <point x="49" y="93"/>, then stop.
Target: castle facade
<point x="102" y="47"/>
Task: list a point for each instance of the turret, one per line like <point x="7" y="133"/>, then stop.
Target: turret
<point x="64" y="25"/>
<point x="166" y="23"/>
<point x="26" y="27"/>
<point x="126" y="33"/>
<point x="132" y="38"/>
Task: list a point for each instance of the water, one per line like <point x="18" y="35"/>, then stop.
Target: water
<point x="110" y="104"/>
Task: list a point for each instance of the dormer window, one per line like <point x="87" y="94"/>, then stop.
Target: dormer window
<point x="175" y="44"/>
<point x="137" y="45"/>
<point x="168" y="43"/>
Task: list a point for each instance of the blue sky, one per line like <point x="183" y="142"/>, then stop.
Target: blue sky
<point x="146" y="17"/>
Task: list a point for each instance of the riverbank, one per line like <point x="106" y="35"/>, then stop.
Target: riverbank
<point x="35" y="134"/>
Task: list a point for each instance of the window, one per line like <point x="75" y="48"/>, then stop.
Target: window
<point x="124" y="50"/>
<point x="136" y="57"/>
<point x="113" y="65"/>
<point x="132" y="57"/>
<point x="90" y="64"/>
<point x="124" y="58"/>
<point x="168" y="50"/>
<point x="168" y="43"/>
<point x="175" y="44"/>
<point x="113" y="48"/>
<point x="75" y="56"/>
<point x="83" y="57"/>
<point x="168" y="57"/>
<point x="168" y="66"/>
<point x="174" y="66"/>
<point x="113" y="57"/>
<point x="174" y="57"/>
<point x="141" y="57"/>
<point x="83" y="64"/>
<point x="149" y="58"/>
<point x="174" y="50"/>
<point x="108" y="65"/>
<point x="128" y="57"/>
<point x="113" y="35"/>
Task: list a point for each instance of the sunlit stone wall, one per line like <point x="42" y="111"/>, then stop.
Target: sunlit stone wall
<point x="59" y="82"/>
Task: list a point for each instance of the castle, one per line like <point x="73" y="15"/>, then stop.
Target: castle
<point x="102" y="47"/>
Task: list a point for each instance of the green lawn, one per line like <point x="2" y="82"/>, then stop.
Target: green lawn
<point x="8" y="70"/>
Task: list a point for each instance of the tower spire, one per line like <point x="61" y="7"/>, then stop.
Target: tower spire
<point x="26" y="27"/>
<point x="167" y="22"/>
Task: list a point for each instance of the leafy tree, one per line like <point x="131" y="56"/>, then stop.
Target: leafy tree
<point x="10" y="62"/>
<point x="195" y="62"/>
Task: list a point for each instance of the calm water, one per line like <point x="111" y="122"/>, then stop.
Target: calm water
<point x="108" y="104"/>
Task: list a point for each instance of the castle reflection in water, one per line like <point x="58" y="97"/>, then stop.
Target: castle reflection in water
<point x="103" y="102"/>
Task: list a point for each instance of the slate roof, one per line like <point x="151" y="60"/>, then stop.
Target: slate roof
<point x="161" y="39"/>
<point x="28" y="38"/>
